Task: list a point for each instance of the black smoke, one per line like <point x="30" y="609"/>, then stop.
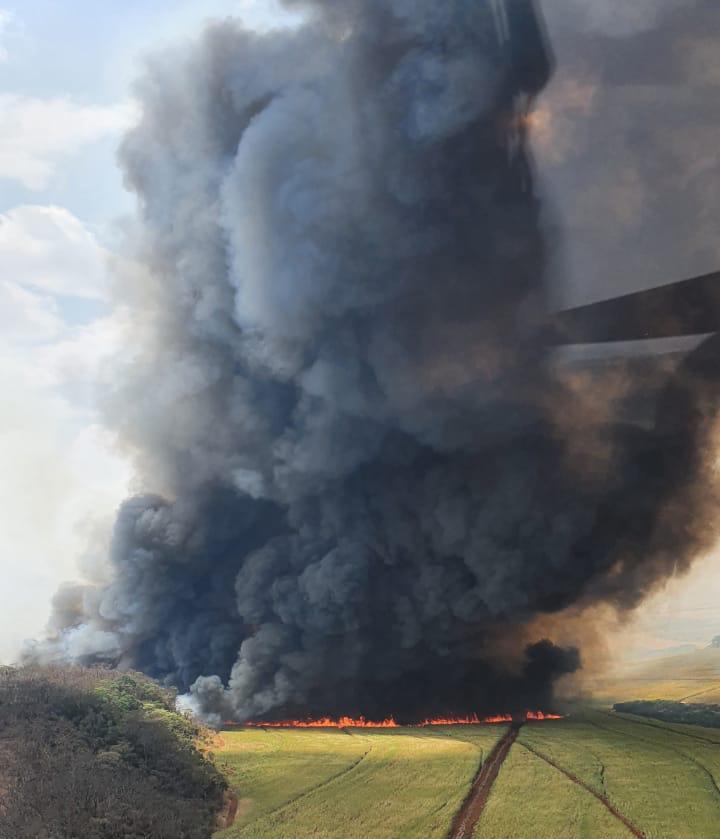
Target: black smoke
<point x="363" y="481"/>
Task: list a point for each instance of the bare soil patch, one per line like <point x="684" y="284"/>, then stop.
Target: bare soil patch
<point x="468" y="815"/>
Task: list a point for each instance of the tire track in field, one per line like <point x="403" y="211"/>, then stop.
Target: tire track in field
<point x="321" y="785"/>
<point x="456" y="739"/>
<point x="713" y="689"/>
<point x="602" y="777"/>
<point x="660" y="726"/>
<point x="601" y="773"/>
<point x="700" y="765"/>
<point x="707" y="772"/>
<point x="603" y="799"/>
<point x="467" y="816"/>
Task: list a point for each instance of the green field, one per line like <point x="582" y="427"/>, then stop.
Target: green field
<point x="408" y="783"/>
<point x="661" y="777"/>
<point x="363" y="784"/>
<point x="532" y="800"/>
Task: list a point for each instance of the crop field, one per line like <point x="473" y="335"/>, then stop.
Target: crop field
<point x="359" y="784"/>
<point x="532" y="800"/>
<point x="594" y="775"/>
<point x="691" y="677"/>
<point x="662" y="778"/>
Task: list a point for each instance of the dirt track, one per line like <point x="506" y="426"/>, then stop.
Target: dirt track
<point x="601" y="798"/>
<point x="468" y="815"/>
<point x="226" y="817"/>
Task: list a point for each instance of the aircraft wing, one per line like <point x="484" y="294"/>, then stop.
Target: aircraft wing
<point x="689" y="307"/>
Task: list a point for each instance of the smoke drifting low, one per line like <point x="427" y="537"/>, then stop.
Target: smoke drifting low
<point x="360" y="471"/>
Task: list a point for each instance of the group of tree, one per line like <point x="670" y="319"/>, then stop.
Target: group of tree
<point x="674" y="712"/>
<point x="97" y="754"/>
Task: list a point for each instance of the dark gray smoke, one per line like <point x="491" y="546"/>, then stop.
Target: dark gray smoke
<point x="362" y="478"/>
<point x="630" y="152"/>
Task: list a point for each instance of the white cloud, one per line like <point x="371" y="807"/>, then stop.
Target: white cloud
<point x="58" y="483"/>
<point x="5" y="21"/>
<point x="265" y="15"/>
<point x="60" y="478"/>
<point x="49" y="249"/>
<point x="37" y="135"/>
<point x="26" y="317"/>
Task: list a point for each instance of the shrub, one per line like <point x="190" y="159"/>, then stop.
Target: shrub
<point x="673" y="712"/>
<point x="98" y="754"/>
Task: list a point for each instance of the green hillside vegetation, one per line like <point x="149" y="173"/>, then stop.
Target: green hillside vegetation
<point x="95" y="754"/>
<point x="674" y="712"/>
<point x="354" y="784"/>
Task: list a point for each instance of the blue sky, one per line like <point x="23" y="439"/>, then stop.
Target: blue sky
<point x="90" y="53"/>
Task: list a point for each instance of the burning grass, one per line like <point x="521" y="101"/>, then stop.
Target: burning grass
<point x="361" y="722"/>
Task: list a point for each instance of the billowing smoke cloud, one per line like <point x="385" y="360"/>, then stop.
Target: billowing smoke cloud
<point x="613" y="17"/>
<point x="626" y="139"/>
<point x="362" y="481"/>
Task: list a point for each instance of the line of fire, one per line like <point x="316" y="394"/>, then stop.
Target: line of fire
<point x="390" y="722"/>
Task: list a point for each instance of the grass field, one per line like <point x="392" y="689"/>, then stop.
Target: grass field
<point x="532" y="800"/>
<point x="663" y="778"/>
<point x="408" y="783"/>
<point x="364" y="784"/>
<point x="690" y="677"/>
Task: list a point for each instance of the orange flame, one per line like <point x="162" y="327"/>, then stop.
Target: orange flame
<point x="473" y="720"/>
<point x="540" y="715"/>
<point x="361" y="722"/>
<point x="326" y="722"/>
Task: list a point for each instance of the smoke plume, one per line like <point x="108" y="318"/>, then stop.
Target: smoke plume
<point x="359" y="479"/>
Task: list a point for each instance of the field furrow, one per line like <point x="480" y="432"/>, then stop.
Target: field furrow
<point x="532" y="800"/>
<point x="601" y="797"/>
<point x="662" y="780"/>
<point x="405" y="783"/>
<point x="593" y="775"/>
